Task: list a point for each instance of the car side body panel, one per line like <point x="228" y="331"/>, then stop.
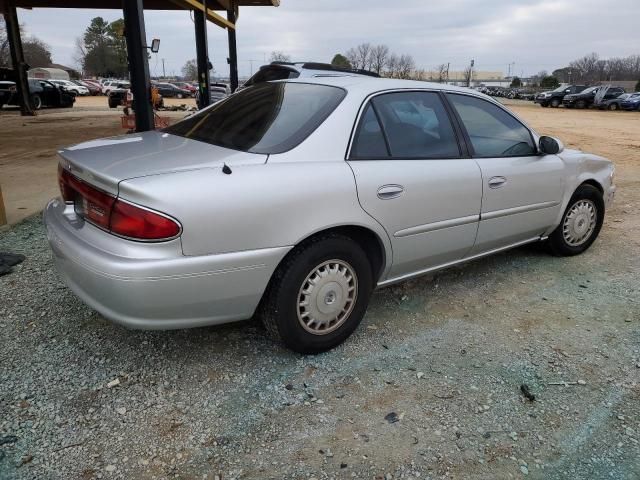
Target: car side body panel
<point x="255" y="206"/>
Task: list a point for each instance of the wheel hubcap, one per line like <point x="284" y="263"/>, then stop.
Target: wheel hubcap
<point x="579" y="223"/>
<point x="327" y="297"/>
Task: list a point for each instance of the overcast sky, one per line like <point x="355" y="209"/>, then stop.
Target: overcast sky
<point x="535" y="34"/>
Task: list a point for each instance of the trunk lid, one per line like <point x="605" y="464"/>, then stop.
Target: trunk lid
<point x="107" y="161"/>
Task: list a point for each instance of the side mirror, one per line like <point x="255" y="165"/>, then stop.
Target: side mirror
<point x="155" y="45"/>
<point x="550" y="146"/>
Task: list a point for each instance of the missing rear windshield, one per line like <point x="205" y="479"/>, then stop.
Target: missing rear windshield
<point x="268" y="118"/>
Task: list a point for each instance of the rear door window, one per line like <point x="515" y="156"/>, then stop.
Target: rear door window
<point x="369" y="142"/>
<point x="416" y="125"/>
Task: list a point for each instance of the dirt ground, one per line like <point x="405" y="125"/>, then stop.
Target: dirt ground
<point x="28" y="146"/>
<point x="428" y="387"/>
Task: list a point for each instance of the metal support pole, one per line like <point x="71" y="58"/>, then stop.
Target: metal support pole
<point x="138" y="63"/>
<point x="233" y="51"/>
<point x="17" y="59"/>
<point x="200" y="21"/>
<point x="3" y="211"/>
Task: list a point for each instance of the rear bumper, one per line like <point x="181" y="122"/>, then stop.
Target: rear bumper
<point x="154" y="286"/>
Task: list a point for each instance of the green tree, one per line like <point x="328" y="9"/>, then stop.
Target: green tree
<point x="549" y="82"/>
<point x="341" y="61"/>
<point x="516" y="82"/>
<point x="104" y="49"/>
<point x="190" y="70"/>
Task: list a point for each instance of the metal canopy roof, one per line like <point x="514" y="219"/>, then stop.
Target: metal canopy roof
<point x="148" y="5"/>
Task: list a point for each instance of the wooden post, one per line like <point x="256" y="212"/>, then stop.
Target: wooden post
<point x="3" y="212"/>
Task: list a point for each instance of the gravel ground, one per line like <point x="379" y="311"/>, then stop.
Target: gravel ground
<point x="428" y="387"/>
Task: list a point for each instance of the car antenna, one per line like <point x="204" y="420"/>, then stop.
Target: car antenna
<point x="226" y="170"/>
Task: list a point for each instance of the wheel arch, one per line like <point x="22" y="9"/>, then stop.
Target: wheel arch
<point x="365" y="237"/>
<point x="594" y="183"/>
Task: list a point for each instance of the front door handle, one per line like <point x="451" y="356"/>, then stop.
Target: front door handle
<point x="387" y="192"/>
<point x="497" y="182"/>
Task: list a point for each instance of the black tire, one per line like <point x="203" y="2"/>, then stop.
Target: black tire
<point x="544" y="105"/>
<point x="279" y="308"/>
<point x="555" y="103"/>
<point x="613" y="106"/>
<point x="179" y="95"/>
<point x="581" y="104"/>
<point x="113" y="102"/>
<point x="36" y="101"/>
<point x="558" y="243"/>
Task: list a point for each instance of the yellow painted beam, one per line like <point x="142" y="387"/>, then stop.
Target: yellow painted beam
<point x="211" y="15"/>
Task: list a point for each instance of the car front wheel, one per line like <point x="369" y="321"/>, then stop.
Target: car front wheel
<point x="555" y="103"/>
<point x="613" y="106"/>
<point x="580" y="224"/>
<point x="318" y="295"/>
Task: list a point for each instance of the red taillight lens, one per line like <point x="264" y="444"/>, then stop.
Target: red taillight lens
<point x="112" y="214"/>
<point x="135" y="222"/>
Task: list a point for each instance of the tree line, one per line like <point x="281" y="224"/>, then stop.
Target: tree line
<point x="36" y="52"/>
<point x="592" y="69"/>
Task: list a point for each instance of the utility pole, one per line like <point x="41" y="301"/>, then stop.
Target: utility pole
<point x="164" y="75"/>
<point x="448" y="64"/>
<point x="470" y="73"/>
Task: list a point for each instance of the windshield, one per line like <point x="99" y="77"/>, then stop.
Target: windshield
<point x="589" y="90"/>
<point x="560" y="89"/>
<point x="267" y="118"/>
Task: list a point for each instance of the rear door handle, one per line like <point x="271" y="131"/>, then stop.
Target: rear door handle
<point x="387" y="192"/>
<point x="497" y="182"/>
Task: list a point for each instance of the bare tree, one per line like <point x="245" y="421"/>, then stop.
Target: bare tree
<point x="278" y="56"/>
<point x="80" y="54"/>
<point x="5" y="60"/>
<point x="364" y="55"/>
<point x="467" y="74"/>
<point x="406" y="66"/>
<point x="441" y="71"/>
<point x="352" y="57"/>
<point x="392" y="66"/>
<point x="379" y="56"/>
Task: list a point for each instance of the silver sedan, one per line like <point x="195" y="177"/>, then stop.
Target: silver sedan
<point x="294" y="200"/>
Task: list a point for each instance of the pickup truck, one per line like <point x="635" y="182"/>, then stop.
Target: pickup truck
<point x="555" y="97"/>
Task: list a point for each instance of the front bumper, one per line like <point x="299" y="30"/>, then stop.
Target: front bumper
<point x="154" y="286"/>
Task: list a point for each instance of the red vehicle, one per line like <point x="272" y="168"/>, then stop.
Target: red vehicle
<point x="186" y="86"/>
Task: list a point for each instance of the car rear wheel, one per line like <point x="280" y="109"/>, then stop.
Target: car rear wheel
<point x="613" y="106"/>
<point x="318" y="295"/>
<point x="580" y="224"/>
<point x="545" y="105"/>
<point x="555" y="103"/>
<point x="113" y="102"/>
<point x="36" y="101"/>
<point x="179" y="95"/>
<point x="581" y="104"/>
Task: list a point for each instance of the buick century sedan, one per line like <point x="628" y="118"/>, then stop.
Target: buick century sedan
<point x="293" y="200"/>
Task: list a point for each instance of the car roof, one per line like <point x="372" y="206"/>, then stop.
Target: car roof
<point x="365" y="84"/>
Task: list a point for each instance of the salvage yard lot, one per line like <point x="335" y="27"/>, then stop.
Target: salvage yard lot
<point x="428" y="387"/>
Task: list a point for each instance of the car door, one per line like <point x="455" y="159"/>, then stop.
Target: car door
<point x="412" y="177"/>
<point x="522" y="189"/>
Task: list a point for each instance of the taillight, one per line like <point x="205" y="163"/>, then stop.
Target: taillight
<point x="112" y="214"/>
<point x="135" y="222"/>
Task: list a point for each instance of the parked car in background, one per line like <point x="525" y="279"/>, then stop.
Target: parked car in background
<point x="7" y="91"/>
<point x="614" y="103"/>
<point x="43" y="93"/>
<point x="93" y="88"/>
<point x="586" y="98"/>
<point x="554" y="98"/>
<point x="168" y="90"/>
<point x="111" y="84"/>
<point x="189" y="87"/>
<point x="631" y="103"/>
<point x="123" y="97"/>
<point x="72" y="87"/>
<point x="356" y="183"/>
<point x="217" y="91"/>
